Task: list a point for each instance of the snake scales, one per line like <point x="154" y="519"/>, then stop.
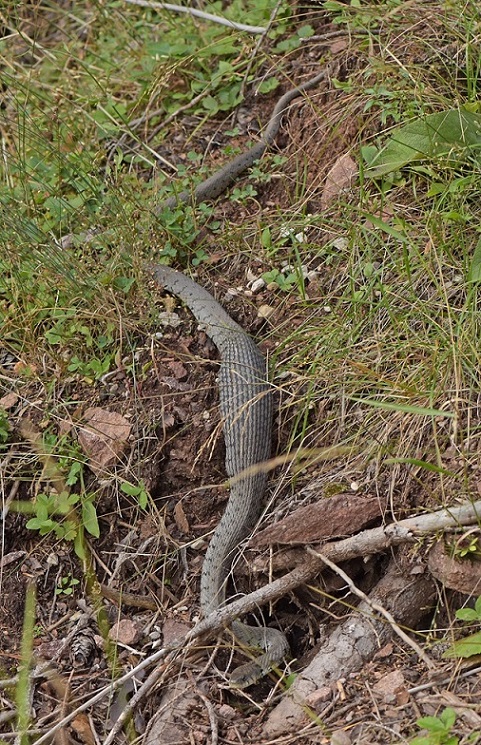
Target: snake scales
<point x="223" y="178"/>
<point x="246" y="407"/>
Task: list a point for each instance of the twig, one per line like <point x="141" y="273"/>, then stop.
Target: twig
<point x="375" y="607"/>
<point x="367" y="542"/>
<point x="151" y="114"/>
<point x="107" y="690"/>
<point x="444" y="681"/>
<point x="199" y="14"/>
<point x="212" y="718"/>
<point x="258" y="45"/>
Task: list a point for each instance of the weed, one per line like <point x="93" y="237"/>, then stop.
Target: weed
<point x="23" y="686"/>
<point x="4" y="427"/>
<point x="66" y="585"/>
<point x="138" y="491"/>
<point x="61" y="511"/>
<point x="468" y="645"/>
<point x="438" y="729"/>
<point x="470" y="614"/>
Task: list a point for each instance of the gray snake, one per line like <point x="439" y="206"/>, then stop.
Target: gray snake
<point x="246" y="408"/>
<point x="222" y="179"/>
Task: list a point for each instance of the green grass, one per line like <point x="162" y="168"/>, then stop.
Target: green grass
<point x="379" y="356"/>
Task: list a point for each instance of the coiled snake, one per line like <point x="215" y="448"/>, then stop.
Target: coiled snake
<point x="246" y="407"/>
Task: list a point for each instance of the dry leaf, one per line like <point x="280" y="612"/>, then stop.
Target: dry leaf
<point x="104" y="437"/>
<point x="8" y="401"/>
<point x="181" y="518"/>
<point x="338" y="180"/>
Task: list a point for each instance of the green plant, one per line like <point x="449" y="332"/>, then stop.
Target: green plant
<point x="138" y="491"/>
<point x="452" y="137"/>
<point x="241" y="194"/>
<point x="263" y="171"/>
<point x="468" y="546"/>
<point x="468" y="645"/>
<point x="284" y="281"/>
<point x="66" y="585"/>
<point x="470" y="614"/>
<point x="59" y="510"/>
<point x="76" y="511"/>
<point x="4" y="427"/>
<point x="438" y="729"/>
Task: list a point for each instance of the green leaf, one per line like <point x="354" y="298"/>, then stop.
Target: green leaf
<point x="79" y="547"/>
<point x="420" y="463"/>
<point x="268" y="85"/>
<point x="453" y="134"/>
<point x="467" y="614"/>
<point x="474" y="274"/>
<point x="73" y="473"/>
<point x="466" y="647"/>
<point x="477" y="606"/>
<point x="143" y="499"/>
<point x="89" y="518"/>
<point x="304" y="32"/>
<point x="37" y="523"/>
<point x="448" y="716"/>
<point x="130" y="489"/>
<point x="123" y="283"/>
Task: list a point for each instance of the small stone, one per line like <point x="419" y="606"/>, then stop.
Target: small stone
<point x="258" y="285"/>
<point x="301" y="237"/>
<point x="226" y="712"/>
<point x="390" y="686"/>
<point x="125" y="631"/>
<point x="339" y="737"/>
<point x="174" y="630"/>
<point x="265" y="311"/>
<point x="340" y="243"/>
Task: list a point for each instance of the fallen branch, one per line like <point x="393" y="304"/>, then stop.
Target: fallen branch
<point x="199" y="14"/>
<point x="376" y="608"/>
<point x="365" y="543"/>
<point x="352" y="644"/>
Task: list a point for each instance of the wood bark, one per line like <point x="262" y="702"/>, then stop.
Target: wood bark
<point x="352" y="644"/>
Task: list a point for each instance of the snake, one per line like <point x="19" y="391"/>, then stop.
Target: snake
<point x="247" y="410"/>
<point x="222" y="179"/>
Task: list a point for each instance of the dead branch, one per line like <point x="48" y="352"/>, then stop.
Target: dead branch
<point x="352" y="644"/>
<point x="366" y="543"/>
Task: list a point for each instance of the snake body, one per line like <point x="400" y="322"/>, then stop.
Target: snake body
<point x="222" y="179"/>
<point x="246" y="407"/>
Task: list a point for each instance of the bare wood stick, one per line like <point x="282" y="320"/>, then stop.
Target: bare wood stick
<point x="375" y="607"/>
<point x="367" y="542"/>
<point x="199" y="14"/>
<point x="352" y="644"/>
